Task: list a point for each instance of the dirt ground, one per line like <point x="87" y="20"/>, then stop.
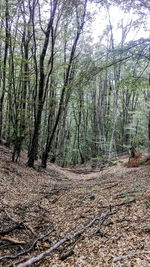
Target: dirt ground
<point x="104" y="215"/>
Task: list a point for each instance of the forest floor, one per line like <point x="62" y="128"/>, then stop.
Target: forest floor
<point x="101" y="218"/>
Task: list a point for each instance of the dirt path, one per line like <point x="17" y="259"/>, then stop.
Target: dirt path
<point x="58" y="202"/>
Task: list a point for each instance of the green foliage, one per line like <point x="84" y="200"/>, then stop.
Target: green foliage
<point x="140" y="141"/>
<point x="98" y="161"/>
<point x="86" y="122"/>
<point x="148" y="204"/>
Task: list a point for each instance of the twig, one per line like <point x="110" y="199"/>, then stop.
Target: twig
<point x="11" y="218"/>
<point x="125" y="203"/>
<point x="92" y="197"/>
<point x="101" y="220"/>
<point x="62" y="241"/>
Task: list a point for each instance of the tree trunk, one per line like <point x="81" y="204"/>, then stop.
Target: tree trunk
<point x="4" y="66"/>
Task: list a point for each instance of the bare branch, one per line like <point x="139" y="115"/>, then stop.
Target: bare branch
<point x="131" y="255"/>
<point x="63" y="240"/>
<point x="27" y="250"/>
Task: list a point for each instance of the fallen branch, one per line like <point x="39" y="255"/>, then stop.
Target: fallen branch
<point x="13" y="240"/>
<point x="101" y="220"/>
<point x="122" y="195"/>
<point x="131" y="255"/>
<point x="11" y="218"/>
<point x="117" y="205"/>
<point x="92" y="197"/>
<point x="19" y="225"/>
<point x="25" y="251"/>
<point x="63" y="240"/>
<point x="109" y="187"/>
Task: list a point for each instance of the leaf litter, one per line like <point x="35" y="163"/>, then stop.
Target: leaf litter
<point x="97" y="218"/>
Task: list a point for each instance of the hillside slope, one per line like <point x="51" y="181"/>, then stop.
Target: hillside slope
<point x="108" y="211"/>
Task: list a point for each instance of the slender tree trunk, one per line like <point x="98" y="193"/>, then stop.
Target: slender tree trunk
<point x="4" y="66"/>
<point x="115" y="107"/>
<point x="149" y="114"/>
<point x="117" y="70"/>
<point x="78" y="126"/>
<point x="94" y="124"/>
<point x="112" y="142"/>
<point x="149" y="130"/>
<point x="1" y="26"/>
